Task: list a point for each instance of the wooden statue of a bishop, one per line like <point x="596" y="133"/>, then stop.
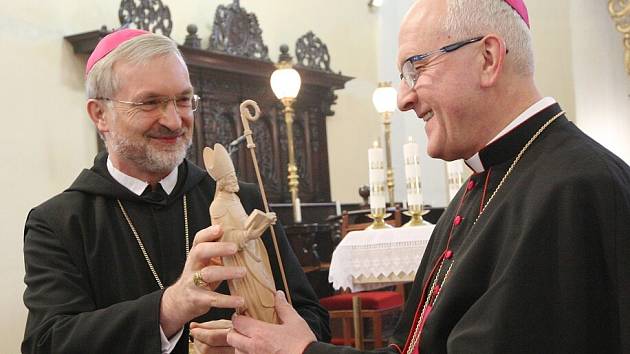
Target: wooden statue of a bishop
<point x="257" y="287"/>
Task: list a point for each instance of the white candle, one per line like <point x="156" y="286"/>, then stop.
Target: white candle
<point x="376" y="160"/>
<point x="297" y="211"/>
<point x="411" y="154"/>
<point x="338" y="208"/>
<point x="455" y="173"/>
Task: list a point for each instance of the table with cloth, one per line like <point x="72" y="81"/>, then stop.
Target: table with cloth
<point x="372" y="259"/>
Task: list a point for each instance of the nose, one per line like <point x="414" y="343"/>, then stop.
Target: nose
<point x="407" y="97"/>
<point x="171" y="117"/>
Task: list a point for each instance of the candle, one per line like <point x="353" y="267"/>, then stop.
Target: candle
<point x="376" y="161"/>
<point x="455" y="173"/>
<point x="338" y="208"/>
<point x="297" y="211"/>
<point x="411" y="154"/>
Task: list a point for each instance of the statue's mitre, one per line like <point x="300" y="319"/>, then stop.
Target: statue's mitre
<point x="218" y="162"/>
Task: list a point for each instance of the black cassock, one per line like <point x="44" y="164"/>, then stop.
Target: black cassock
<point x="89" y="288"/>
<point x="545" y="269"/>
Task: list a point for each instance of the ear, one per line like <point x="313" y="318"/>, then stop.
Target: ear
<point x="494" y="52"/>
<point x="208" y="158"/>
<point x="96" y="110"/>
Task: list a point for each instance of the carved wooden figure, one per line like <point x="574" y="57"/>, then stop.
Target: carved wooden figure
<point x="257" y="287"/>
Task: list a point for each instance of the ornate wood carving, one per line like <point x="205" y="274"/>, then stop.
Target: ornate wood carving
<point x="224" y="81"/>
<point x="149" y="15"/>
<point x="312" y="53"/>
<point x="192" y="39"/>
<point x="620" y="12"/>
<point x="236" y="32"/>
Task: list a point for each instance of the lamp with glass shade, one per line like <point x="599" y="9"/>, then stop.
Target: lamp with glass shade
<point x="286" y="83"/>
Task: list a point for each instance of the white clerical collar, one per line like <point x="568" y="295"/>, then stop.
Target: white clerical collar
<point x="475" y="162"/>
<point x="138" y="186"/>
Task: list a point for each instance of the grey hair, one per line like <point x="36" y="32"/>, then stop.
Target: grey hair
<point x="469" y="18"/>
<point x="102" y="80"/>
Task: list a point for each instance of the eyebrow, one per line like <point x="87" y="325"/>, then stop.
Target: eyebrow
<point x="150" y="94"/>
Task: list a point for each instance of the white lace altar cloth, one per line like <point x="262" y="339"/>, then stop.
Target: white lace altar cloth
<point x="372" y="259"/>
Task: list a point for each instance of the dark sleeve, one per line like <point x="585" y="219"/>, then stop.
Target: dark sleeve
<point x="62" y="315"/>
<point x="302" y="294"/>
<point x="325" y="348"/>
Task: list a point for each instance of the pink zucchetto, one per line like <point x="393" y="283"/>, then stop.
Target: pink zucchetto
<point x="109" y="43"/>
<point x="520" y="8"/>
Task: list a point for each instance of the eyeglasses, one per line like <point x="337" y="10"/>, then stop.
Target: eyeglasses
<point x="187" y="103"/>
<point x="409" y="72"/>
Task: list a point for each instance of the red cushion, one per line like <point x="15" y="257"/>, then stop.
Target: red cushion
<point x="371" y="300"/>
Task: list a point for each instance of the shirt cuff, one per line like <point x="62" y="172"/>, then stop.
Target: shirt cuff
<point x="169" y="345"/>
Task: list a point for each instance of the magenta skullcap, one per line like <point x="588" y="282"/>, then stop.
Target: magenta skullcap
<point x="520" y="8"/>
<point x="109" y="43"/>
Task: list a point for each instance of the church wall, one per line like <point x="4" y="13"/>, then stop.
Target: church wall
<point x="602" y="86"/>
<point x="551" y="35"/>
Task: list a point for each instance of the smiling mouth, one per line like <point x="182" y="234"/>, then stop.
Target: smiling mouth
<point x="427" y="116"/>
<point x="170" y="139"/>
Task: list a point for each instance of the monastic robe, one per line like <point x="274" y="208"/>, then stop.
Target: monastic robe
<point x="89" y="288"/>
<point x="545" y="269"/>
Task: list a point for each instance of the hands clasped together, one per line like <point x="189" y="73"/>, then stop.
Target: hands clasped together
<point x="193" y="295"/>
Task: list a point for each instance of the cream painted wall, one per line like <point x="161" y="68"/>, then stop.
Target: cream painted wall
<point x="550" y="23"/>
<point x="602" y="86"/>
<point x="48" y="137"/>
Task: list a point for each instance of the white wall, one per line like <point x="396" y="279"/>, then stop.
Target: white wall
<point x="551" y="32"/>
<point x="602" y="86"/>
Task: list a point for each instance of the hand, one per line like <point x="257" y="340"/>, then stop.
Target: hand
<point x="210" y="337"/>
<point x="256" y="337"/>
<point x="272" y="217"/>
<point x="184" y="301"/>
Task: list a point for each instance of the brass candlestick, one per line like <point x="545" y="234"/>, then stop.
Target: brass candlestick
<point x="285" y="83"/>
<point x="415" y="212"/>
<point x="293" y="176"/>
<point x="388" y="155"/>
<point x="379" y="215"/>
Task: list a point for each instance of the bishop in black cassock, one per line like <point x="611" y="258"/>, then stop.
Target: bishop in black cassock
<point x="544" y="269"/>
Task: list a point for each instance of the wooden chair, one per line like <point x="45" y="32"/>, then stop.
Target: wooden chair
<point x="354" y="307"/>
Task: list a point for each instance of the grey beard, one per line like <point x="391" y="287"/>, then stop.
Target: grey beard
<point x="145" y="156"/>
